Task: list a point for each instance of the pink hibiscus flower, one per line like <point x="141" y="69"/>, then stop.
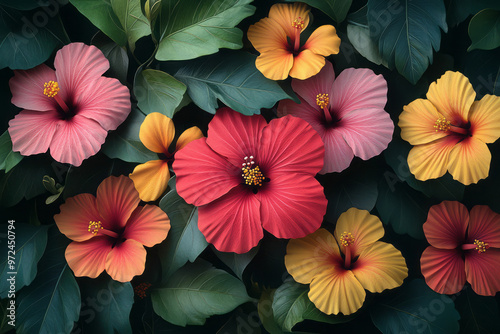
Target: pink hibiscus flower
<point x="347" y="112"/>
<point x="109" y="231"/>
<point x="69" y="110"/>
<point x="464" y="247"/>
<point x="248" y="175"/>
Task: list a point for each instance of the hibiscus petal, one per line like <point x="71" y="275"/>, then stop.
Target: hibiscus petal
<point x="380" y="267"/>
<point x="309" y="89"/>
<point x="188" y="136"/>
<point x="306" y="64"/>
<point x="88" y="258"/>
<point x="485" y="119"/>
<point x="151" y="179"/>
<point x="27" y="88"/>
<point x="484" y="225"/>
<point x="157" y="132"/>
<point x="311" y="115"/>
<point x="417" y="123"/>
<point x="338" y="154"/>
<point x="232" y="223"/>
<point x="76" y="214"/>
<point x="483" y="271"/>
<point x="446" y="225"/>
<point x="323" y="41"/>
<point x="469" y="161"/>
<point x="292" y="205"/>
<point x="452" y="95"/>
<point x="267" y="35"/>
<point x="275" y="64"/>
<point x="364" y="227"/>
<point x="126" y="260"/>
<point x="286" y="14"/>
<point x="148" y="225"/>
<point x="443" y="269"/>
<point x="203" y="175"/>
<point x="32" y="132"/>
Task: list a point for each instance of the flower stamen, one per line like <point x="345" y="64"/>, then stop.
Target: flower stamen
<point x="298" y="24"/>
<point x="481" y="246"/>
<point x="252" y="175"/>
<point x="346" y="240"/>
<point x="322" y="100"/>
<point x="94" y="227"/>
<point x="51" y="89"/>
<point x="442" y="124"/>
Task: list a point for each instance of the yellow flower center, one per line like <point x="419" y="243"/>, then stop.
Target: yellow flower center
<point x="346" y="239"/>
<point x="442" y="124"/>
<point x="251" y="172"/>
<point x="51" y="88"/>
<point x="322" y="100"/>
<point x="94" y="227"/>
<point x="298" y="23"/>
<point x="481" y="246"/>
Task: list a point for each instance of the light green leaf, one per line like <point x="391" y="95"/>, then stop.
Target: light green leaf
<point x="484" y="30"/>
<point x="266" y="314"/>
<point x="336" y="9"/>
<point x="134" y="23"/>
<point x="8" y="158"/>
<point x="188" y="30"/>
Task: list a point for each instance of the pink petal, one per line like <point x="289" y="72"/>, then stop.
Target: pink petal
<point x="338" y="154"/>
<point x="367" y="131"/>
<point x="105" y="101"/>
<point x="321" y="83"/>
<point x="446" y="225"/>
<point x="31" y="132"/>
<point x="290" y="145"/>
<point x="293" y="205"/>
<point x="483" y="271"/>
<point x="78" y="65"/>
<point x="443" y="269"/>
<point x="126" y="260"/>
<point x="234" y="135"/>
<point x="148" y="225"/>
<point x="27" y="88"/>
<point x="202" y="174"/>
<point x="484" y="225"/>
<point x="76" y="214"/>
<point x="232" y="223"/>
<point x="313" y="116"/>
<point x="88" y="258"/>
<point x="358" y="89"/>
<point x="116" y="200"/>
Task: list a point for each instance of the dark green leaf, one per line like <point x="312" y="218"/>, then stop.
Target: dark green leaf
<point x="459" y="10"/>
<point x="359" y="37"/>
<point x="51" y="303"/>
<point x="237" y="262"/>
<point x="336" y="9"/>
<point x="484" y="30"/>
<point x="133" y="22"/>
<point x="232" y="78"/>
<point x="8" y="158"/>
<point x="407" y="31"/>
<point x="416" y="309"/>
<point x="186" y="30"/>
<point x="117" y="56"/>
<point x="483" y="70"/>
<point x="478" y="314"/>
<point x="22" y="5"/>
<point x="266" y="314"/>
<point x="196" y="292"/>
<point x="240" y="323"/>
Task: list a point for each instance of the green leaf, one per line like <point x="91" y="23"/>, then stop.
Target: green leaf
<point x="8" y="158"/>
<point x="459" y="10"/>
<point x="24" y="41"/>
<point x="483" y="70"/>
<point x="232" y="78"/>
<point x="124" y="143"/>
<point x="22" y="5"/>
<point x="188" y="31"/>
<point x="266" y="314"/>
<point x="336" y="9"/>
<point x="51" y="303"/>
<point x="134" y="23"/>
<point x="478" y="314"/>
<point x="29" y="244"/>
<point x="116" y="55"/>
<point x="240" y="323"/>
<point x="237" y="262"/>
<point x="196" y="292"/>
<point x="484" y="30"/>
<point x="407" y="31"/>
<point x="184" y="241"/>
<point x="416" y="309"/>
<point x="291" y="305"/>
<point x="157" y="91"/>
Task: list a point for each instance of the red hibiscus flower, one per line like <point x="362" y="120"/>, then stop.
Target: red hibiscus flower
<point x="248" y="175"/>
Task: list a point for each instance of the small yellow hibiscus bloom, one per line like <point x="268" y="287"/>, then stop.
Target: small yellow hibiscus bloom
<point x="338" y="283"/>
<point x="277" y="38"/>
<point x="157" y="132"/>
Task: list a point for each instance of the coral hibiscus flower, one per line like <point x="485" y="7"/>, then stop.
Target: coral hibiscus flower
<point x="109" y="231"/>
<point x="464" y="247"/>
<point x="277" y="38"/>
<point x="348" y="113"/>
<point x="69" y="110"/>
<point x="450" y="130"/>
<point x="157" y="133"/>
<point x="338" y="282"/>
<point x="248" y="175"/>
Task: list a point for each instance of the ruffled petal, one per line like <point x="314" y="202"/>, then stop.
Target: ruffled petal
<point x="323" y="41"/>
<point x="469" y="161"/>
<point x="483" y="271"/>
<point x="446" y="225"/>
<point x="232" y="223"/>
<point x="275" y="64"/>
<point x="31" y="132"/>
<point x="306" y="64"/>
<point x="188" y="136"/>
<point x="126" y="260"/>
<point x="338" y="154"/>
<point x="27" y="88"/>
<point x="311" y="115"/>
<point x="309" y="89"/>
<point x="293" y="205"/>
<point x="443" y="269"/>
<point x="148" y="225"/>
<point x="203" y="175"/>
<point x="452" y="95"/>
<point x="312" y="255"/>
<point x="88" y="258"/>
<point x="364" y="227"/>
<point x="417" y="123"/>
<point x="485" y="119"/>
<point x="484" y="225"/>
<point x="76" y="214"/>
<point x="267" y="35"/>
<point x="151" y="179"/>
<point x="286" y="14"/>
<point x="157" y="132"/>
<point x="380" y="267"/>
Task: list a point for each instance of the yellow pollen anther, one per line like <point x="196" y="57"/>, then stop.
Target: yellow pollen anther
<point x="481" y="246"/>
<point x="322" y="100"/>
<point x="51" y="88"/>
<point x="298" y="23"/>
<point x="94" y="227"/>
<point x="346" y="239"/>
<point x="251" y="173"/>
<point x="442" y="124"/>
